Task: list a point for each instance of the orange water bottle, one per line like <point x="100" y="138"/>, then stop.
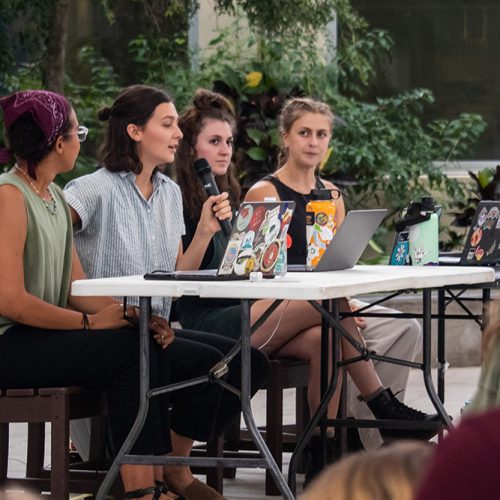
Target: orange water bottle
<point x="320" y="225"/>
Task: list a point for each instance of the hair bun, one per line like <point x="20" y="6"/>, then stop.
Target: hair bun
<point x="206" y="99"/>
<point x="104" y="114"/>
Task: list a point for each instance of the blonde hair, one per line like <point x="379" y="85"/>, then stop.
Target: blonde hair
<point x="293" y="110"/>
<point x="389" y="473"/>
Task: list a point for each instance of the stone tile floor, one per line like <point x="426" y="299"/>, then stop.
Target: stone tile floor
<point x="249" y="483"/>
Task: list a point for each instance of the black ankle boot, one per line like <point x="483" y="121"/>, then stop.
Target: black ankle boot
<point x="387" y="406"/>
<point x="312" y="457"/>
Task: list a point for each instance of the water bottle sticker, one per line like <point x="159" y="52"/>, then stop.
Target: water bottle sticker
<point x="401" y="249"/>
<point x="419" y="252"/>
<point x="322" y="219"/>
<point x="230" y="257"/>
<point x="248" y="240"/>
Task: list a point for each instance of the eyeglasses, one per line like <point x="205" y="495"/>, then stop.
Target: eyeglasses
<point x="81" y="133"/>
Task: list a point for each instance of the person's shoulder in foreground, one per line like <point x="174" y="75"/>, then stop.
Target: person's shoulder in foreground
<point x="467" y="462"/>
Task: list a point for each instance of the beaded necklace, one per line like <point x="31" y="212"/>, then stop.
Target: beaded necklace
<point x="51" y="205"/>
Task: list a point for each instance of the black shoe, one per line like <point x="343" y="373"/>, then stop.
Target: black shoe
<point x="387" y="406"/>
<point x="312" y="457"/>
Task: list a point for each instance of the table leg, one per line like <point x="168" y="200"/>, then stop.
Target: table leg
<point x="486" y="303"/>
<point x="426" y="361"/>
<point x="145" y="306"/>
<point x="441" y="357"/>
<point x="246" y="374"/>
<point x="322" y="408"/>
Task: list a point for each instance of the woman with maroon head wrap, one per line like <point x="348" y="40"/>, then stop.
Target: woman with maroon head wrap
<point x="47" y="336"/>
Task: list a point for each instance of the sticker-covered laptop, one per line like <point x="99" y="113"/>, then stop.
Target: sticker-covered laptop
<point x="482" y="246"/>
<point x="256" y="244"/>
<point x="349" y="241"/>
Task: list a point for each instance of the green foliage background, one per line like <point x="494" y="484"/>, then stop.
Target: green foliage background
<point x="382" y="150"/>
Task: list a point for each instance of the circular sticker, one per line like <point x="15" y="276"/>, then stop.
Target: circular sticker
<point x="479" y="253"/>
<point x="258" y="216"/>
<point x="270" y="256"/>
<point x="476" y="237"/>
<point x="245" y="262"/>
<point x="244" y="217"/>
<point x="321" y="218"/>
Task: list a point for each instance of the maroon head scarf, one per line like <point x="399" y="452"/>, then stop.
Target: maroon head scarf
<point x="48" y="109"/>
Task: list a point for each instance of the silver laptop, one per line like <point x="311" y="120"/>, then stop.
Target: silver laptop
<point x="349" y="242"/>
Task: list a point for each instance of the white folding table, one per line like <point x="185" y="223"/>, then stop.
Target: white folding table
<point x="313" y="287"/>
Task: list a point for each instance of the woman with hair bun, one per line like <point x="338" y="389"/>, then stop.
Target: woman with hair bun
<point x="127" y="220"/>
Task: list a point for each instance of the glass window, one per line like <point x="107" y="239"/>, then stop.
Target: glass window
<point x="451" y="47"/>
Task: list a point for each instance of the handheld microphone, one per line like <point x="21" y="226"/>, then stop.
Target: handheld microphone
<point x="204" y="172"/>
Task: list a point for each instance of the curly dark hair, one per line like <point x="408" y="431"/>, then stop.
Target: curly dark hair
<point x="206" y="105"/>
<point x="135" y="104"/>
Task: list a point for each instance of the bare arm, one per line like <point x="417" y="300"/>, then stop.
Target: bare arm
<point x="261" y="190"/>
<point x="85" y="304"/>
<point x="75" y="218"/>
<point x="340" y="213"/>
<point x="15" y="301"/>
<point x="214" y="209"/>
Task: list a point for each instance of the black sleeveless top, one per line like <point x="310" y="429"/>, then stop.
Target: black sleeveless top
<point x="297" y="252"/>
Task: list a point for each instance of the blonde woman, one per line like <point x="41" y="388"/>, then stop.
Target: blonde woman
<point x="390" y="473"/>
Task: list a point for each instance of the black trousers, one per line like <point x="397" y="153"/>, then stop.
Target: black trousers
<point x="229" y="403"/>
<point x="109" y="360"/>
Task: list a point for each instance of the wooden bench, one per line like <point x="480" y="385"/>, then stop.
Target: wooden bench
<point x="56" y="406"/>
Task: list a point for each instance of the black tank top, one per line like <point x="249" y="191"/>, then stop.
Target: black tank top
<point x="297" y="251"/>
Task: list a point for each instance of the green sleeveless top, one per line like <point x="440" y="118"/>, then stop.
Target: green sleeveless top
<point x="48" y="247"/>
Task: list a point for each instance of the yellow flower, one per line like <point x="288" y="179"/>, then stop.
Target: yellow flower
<point x="253" y="79"/>
<point x="325" y="159"/>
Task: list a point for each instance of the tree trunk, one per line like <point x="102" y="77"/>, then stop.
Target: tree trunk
<point x="53" y="60"/>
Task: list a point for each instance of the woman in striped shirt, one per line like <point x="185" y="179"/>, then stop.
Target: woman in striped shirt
<point x="128" y="220"/>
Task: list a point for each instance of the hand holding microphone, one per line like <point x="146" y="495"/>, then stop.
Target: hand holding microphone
<point x="204" y="172"/>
